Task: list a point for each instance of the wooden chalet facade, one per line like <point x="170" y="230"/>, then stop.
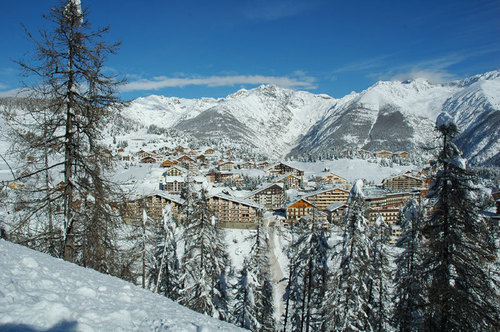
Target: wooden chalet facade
<point x="384" y="154"/>
<point x="247" y="165"/>
<point x="169" y="163"/>
<point x="175" y="171"/>
<point x="153" y="205"/>
<point x="272" y="197"/>
<point x="403" y="182"/>
<point x="229" y="209"/>
<point x="290" y="181"/>
<point x="324" y="198"/>
<point x="299" y="209"/>
<point x="333" y="179"/>
<point x="148" y="160"/>
<point x="282" y="169"/>
<point x="227" y="166"/>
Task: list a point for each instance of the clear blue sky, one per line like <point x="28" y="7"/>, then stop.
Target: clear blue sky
<point x="212" y="48"/>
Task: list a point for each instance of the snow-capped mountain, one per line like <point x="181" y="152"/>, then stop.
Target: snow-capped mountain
<point x="389" y="115"/>
<point x="268" y="118"/>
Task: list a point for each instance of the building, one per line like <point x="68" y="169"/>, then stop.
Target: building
<point x="148" y="160"/>
<point x="335" y="212"/>
<point x="272" y="196"/>
<point x="384" y="154"/>
<point x="290" y="181"/>
<point x="297" y="210"/>
<point x="247" y="165"/>
<point x="227" y="166"/>
<point x="153" y="205"/>
<point x="324" y="198"/>
<point x="173" y="184"/>
<point x="333" y="179"/>
<point x="282" y="169"/>
<point x="403" y="182"/>
<point x="390" y="215"/>
<point x="169" y="163"/>
<point x="175" y="171"/>
<point x="229" y="209"/>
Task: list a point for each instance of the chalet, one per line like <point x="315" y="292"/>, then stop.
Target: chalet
<point x="272" y="197"/>
<point x="335" y="212"/>
<point x="175" y="171"/>
<point x="154" y="205"/>
<point x="209" y="151"/>
<point x="263" y="165"/>
<point x="403" y="182"/>
<point x="282" y="169"/>
<point x="201" y="158"/>
<point x="229" y="209"/>
<point x="148" y="160"/>
<point x="384" y="154"/>
<point x="333" y="179"/>
<point x="174" y="184"/>
<point x="144" y="154"/>
<point x="403" y="154"/>
<point x="124" y="157"/>
<point x="185" y="160"/>
<point x="290" y="181"/>
<point x="364" y="154"/>
<point x="215" y="176"/>
<point x="247" y="165"/>
<point x="324" y="198"/>
<point x="181" y="149"/>
<point x="227" y="166"/>
<point x="299" y="209"/>
<point x="169" y="163"/>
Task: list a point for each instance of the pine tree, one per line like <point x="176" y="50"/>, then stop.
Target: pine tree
<point x="202" y="281"/>
<point x="460" y="291"/>
<point x="164" y="271"/>
<point x="379" y="283"/>
<point x="67" y="164"/>
<point x="260" y="267"/>
<point x="308" y="281"/>
<point x="408" y="296"/>
<point x="244" y="312"/>
<point x="348" y="307"/>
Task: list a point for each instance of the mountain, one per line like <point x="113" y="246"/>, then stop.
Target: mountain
<point x="390" y="115"/>
<point x="267" y="118"/>
<point x="42" y="293"/>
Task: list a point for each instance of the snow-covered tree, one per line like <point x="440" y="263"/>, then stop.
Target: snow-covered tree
<point x="164" y="268"/>
<point x="379" y="284"/>
<point x="408" y="295"/>
<point x="60" y="139"/>
<point x="460" y="292"/>
<point x="348" y="307"/>
<point x="244" y="311"/>
<point x="203" y="268"/>
<point x="309" y="278"/>
<point x="259" y="267"/>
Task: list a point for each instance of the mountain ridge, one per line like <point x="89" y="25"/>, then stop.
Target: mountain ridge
<point x="389" y="115"/>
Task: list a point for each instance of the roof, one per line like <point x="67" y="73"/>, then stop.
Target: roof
<point x="280" y="163"/>
<point x="407" y="175"/>
<point x="324" y="190"/>
<point x="238" y="200"/>
<point x="300" y="199"/>
<point x="335" y="206"/>
<point x="264" y="187"/>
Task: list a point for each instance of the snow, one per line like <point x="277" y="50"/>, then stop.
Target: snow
<point x="445" y="120"/>
<point x="41" y="292"/>
<point x="356" y="190"/>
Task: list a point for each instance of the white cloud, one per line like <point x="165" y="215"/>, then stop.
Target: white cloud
<point x="298" y="80"/>
<point x="11" y="93"/>
<point x="3" y="86"/>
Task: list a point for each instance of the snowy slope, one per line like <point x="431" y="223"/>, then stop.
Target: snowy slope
<point x="476" y="110"/>
<point x="399" y="116"/>
<point x="41" y="292"/>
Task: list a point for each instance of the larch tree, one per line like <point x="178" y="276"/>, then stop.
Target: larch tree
<point x="460" y="292"/>
<point x="63" y="139"/>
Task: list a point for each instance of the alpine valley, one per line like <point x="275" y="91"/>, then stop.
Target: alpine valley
<point x="390" y="115"/>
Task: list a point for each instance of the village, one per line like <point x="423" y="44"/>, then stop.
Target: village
<point x="242" y="191"/>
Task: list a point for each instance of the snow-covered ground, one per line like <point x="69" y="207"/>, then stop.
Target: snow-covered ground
<point x="39" y="292"/>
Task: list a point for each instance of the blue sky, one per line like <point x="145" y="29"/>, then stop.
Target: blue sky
<point x="212" y="48"/>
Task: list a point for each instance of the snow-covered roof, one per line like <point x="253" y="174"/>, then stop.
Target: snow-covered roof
<point x="334" y="206"/>
<point x="264" y="187"/>
<point x="238" y="200"/>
